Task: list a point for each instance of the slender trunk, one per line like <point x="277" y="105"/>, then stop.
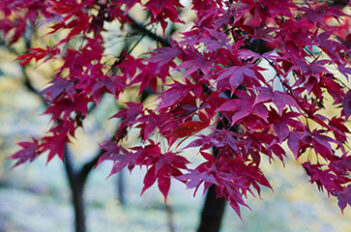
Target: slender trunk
<point x="76" y="184"/>
<point x="78" y="205"/>
<point x="170" y="217"/>
<point x="212" y="212"/>
<point x="121" y="188"/>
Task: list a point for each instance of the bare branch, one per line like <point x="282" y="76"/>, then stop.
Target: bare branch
<point x="141" y="28"/>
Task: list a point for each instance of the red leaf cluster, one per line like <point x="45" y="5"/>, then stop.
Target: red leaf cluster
<point x="222" y="58"/>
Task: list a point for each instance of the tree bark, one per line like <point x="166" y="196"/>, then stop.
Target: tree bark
<point x="212" y="212"/>
<point x="78" y="205"/>
<point x="76" y="183"/>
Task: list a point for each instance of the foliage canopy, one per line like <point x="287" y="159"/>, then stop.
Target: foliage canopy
<point x="224" y="88"/>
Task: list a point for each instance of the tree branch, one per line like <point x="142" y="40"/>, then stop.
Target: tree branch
<point x="141" y="28"/>
<point x="87" y="167"/>
<point x="27" y="82"/>
<point x="71" y="175"/>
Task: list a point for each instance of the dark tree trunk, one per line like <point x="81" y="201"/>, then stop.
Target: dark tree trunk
<point x="78" y="205"/>
<point x="76" y="183"/>
<point x="212" y="212"/>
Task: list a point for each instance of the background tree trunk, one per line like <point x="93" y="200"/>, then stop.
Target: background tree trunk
<point x="121" y="188"/>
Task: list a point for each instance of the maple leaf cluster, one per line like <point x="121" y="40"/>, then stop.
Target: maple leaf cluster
<point x="222" y="60"/>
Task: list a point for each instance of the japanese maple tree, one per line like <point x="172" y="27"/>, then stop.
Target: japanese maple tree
<point x="211" y="86"/>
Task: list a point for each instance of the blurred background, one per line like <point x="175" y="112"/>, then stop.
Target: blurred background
<point x="36" y="197"/>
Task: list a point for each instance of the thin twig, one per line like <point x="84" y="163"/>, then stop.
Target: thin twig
<point x="141" y="28"/>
